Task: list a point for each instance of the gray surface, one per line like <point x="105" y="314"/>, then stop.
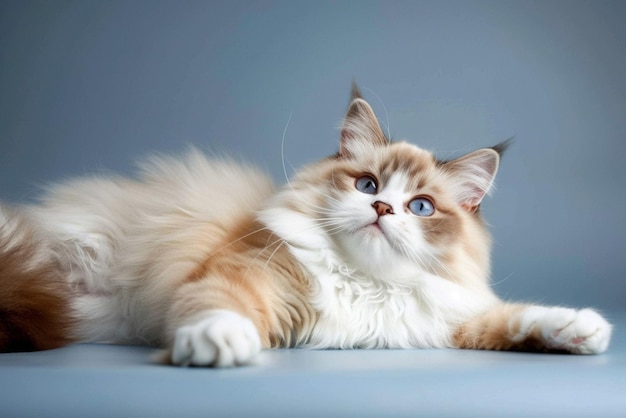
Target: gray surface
<point x="119" y="381"/>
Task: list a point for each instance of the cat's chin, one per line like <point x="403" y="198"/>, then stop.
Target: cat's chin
<point x="368" y="239"/>
<point x="368" y="248"/>
<point x="380" y="234"/>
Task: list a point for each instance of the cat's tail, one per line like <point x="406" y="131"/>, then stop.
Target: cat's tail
<point x="35" y="305"/>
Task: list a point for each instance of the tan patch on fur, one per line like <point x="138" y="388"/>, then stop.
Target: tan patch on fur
<point x="254" y="274"/>
<point x="34" y="303"/>
<point x="495" y="329"/>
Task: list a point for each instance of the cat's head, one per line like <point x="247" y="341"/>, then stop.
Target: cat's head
<point x="391" y="209"/>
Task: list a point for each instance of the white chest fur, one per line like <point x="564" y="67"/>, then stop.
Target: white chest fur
<point x="361" y="312"/>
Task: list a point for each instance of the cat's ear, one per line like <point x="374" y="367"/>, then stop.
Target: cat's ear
<point x="360" y="126"/>
<point x="473" y="176"/>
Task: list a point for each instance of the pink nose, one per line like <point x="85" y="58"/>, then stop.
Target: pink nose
<point x="382" y="208"/>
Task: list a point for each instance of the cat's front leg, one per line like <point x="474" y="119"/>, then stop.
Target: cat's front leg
<point x="213" y="323"/>
<point x="536" y="328"/>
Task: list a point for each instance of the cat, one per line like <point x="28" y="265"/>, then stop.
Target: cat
<point x="380" y="245"/>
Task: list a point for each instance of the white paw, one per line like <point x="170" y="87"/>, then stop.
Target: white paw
<point x="576" y="331"/>
<point x="220" y="339"/>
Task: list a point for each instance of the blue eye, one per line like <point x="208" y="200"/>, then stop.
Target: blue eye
<point x="421" y="206"/>
<point x="366" y="184"/>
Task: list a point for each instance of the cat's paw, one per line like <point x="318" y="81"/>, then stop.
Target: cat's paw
<point x="576" y="331"/>
<point x="220" y="339"/>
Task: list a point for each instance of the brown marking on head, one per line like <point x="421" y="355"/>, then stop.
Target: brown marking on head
<point x="416" y="164"/>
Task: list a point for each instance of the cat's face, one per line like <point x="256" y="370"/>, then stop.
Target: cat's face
<point x="392" y="209"/>
<point x="389" y="210"/>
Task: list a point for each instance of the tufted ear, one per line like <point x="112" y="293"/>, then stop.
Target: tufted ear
<point x="360" y="126"/>
<point x="473" y="176"/>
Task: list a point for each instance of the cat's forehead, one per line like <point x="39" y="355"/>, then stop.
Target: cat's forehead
<point x="408" y="168"/>
<point x="409" y="162"/>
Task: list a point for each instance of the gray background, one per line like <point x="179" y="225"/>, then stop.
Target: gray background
<point x="92" y="86"/>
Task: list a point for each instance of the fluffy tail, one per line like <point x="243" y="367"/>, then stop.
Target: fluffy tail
<point x="35" y="309"/>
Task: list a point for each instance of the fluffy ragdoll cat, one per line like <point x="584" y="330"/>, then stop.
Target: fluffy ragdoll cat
<point x="380" y="245"/>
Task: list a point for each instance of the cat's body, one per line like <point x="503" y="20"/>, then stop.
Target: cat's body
<point x="380" y="245"/>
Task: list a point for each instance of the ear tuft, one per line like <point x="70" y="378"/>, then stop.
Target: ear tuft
<point x="503" y="146"/>
<point x="473" y="176"/>
<point x="355" y="92"/>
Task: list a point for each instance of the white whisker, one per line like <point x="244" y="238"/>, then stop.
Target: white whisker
<point x="387" y="124"/>
<point x="503" y="280"/>
<point x="282" y="149"/>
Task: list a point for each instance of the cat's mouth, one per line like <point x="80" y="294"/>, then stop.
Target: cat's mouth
<point x="375" y="229"/>
<point x="376" y="226"/>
